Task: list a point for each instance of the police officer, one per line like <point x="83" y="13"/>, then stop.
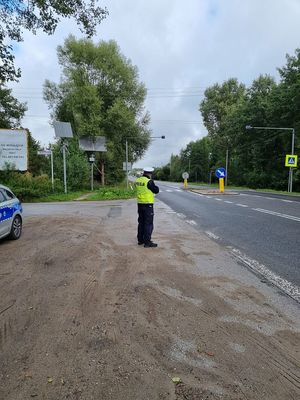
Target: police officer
<point x="146" y="189"/>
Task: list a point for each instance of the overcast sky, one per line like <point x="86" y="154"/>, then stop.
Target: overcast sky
<point x="179" y="48"/>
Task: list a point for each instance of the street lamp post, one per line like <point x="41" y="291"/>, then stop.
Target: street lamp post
<point x="290" y="181"/>
<point x="126" y="150"/>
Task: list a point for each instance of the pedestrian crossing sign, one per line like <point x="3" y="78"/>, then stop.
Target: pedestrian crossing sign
<point x="291" y="160"/>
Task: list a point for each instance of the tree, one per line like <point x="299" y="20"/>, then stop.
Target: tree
<point x="219" y="101"/>
<point x="78" y="169"/>
<point x="100" y="94"/>
<point x="37" y="164"/>
<point x="17" y="15"/>
<point x="11" y="110"/>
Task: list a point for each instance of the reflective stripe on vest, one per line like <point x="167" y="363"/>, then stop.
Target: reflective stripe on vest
<point x="144" y="195"/>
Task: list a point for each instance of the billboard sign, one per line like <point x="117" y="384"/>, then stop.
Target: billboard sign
<point x="13" y="149"/>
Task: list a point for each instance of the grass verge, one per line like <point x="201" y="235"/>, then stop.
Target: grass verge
<point x="111" y="193"/>
<point x="106" y="193"/>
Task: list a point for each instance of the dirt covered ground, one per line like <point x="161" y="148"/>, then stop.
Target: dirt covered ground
<point x="87" y="314"/>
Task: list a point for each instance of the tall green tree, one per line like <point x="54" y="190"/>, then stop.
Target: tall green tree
<point x="100" y="94"/>
<point x="11" y="110"/>
<point x="218" y="110"/>
<point x="219" y="101"/>
<point x="32" y="15"/>
<point x="37" y="164"/>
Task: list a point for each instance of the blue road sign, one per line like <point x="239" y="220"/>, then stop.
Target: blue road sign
<point x="220" y="172"/>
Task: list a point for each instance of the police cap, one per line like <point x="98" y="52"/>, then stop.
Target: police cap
<point x="148" y="169"/>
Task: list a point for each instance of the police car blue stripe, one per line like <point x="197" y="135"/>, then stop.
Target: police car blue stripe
<point x="8" y="211"/>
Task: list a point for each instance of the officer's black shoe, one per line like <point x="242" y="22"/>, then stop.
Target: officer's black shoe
<point x="140" y="243"/>
<point x="150" y="244"/>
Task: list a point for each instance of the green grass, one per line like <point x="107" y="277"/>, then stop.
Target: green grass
<point x="111" y="193"/>
<point x="106" y="193"/>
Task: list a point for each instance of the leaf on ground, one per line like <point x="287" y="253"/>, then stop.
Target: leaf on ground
<point x="176" y="380"/>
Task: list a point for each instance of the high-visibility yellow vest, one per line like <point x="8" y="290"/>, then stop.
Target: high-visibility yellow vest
<point x="144" y="195"/>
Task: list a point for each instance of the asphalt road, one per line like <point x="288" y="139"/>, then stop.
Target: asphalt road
<point x="263" y="227"/>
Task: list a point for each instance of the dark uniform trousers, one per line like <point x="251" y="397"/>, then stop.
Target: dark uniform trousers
<point x="145" y="222"/>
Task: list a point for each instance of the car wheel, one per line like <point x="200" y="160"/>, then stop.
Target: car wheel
<point x="16" y="228"/>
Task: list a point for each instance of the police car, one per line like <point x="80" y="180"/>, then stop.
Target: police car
<point x="10" y="214"/>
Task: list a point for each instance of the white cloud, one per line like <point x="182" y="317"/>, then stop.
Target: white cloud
<point x="179" y="48"/>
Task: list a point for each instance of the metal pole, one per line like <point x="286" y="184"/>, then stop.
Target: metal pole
<point x="92" y="176"/>
<point x="65" y="167"/>
<point x="126" y="164"/>
<point x="189" y="167"/>
<point x="291" y="169"/>
<point x="52" y="169"/>
<point x="290" y="180"/>
<point x="226" y="167"/>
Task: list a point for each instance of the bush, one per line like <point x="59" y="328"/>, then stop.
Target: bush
<point x="27" y="187"/>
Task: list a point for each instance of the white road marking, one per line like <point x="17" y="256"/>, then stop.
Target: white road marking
<point x="169" y="190"/>
<point x="208" y="197"/>
<point x="228" y="202"/>
<point x="241" y="205"/>
<point x="197" y="194"/>
<point x="277" y="214"/>
<point x="212" y="235"/>
<point x="178" y="190"/>
<point x="270" y="198"/>
<point x="191" y="222"/>
<point x="216" y="198"/>
<point x="180" y="215"/>
<point x="286" y="286"/>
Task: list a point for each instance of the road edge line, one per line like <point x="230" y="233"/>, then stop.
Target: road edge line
<point x="285" y="286"/>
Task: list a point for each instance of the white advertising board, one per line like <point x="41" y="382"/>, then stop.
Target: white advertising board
<point x="13" y="149"/>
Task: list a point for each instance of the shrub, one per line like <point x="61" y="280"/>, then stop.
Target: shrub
<point x="27" y="187"/>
